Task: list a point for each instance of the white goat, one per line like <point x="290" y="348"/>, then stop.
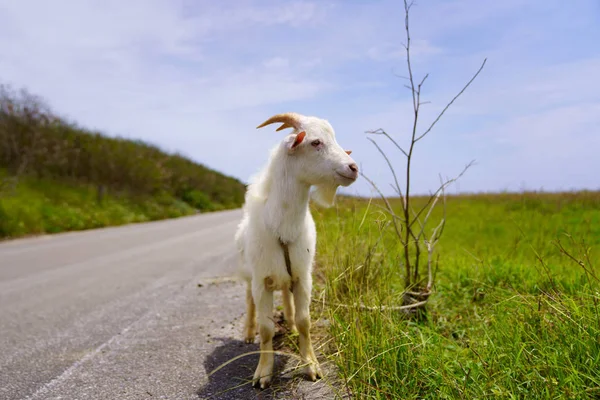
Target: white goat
<point x="276" y="237"/>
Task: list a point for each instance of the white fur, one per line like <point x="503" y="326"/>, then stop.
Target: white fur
<point x="276" y="206"/>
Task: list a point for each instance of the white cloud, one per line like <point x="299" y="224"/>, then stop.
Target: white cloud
<point x="199" y="76"/>
<point x="517" y="89"/>
<point x="277" y="62"/>
<point x="569" y="132"/>
<point x="99" y="63"/>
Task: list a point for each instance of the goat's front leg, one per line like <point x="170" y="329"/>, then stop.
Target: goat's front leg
<point x="266" y="328"/>
<point x="302" y="301"/>
<point x="250" y="325"/>
<point x="289" y="309"/>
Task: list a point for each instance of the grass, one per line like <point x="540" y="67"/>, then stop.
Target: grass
<point x="511" y="316"/>
<point x="37" y="206"/>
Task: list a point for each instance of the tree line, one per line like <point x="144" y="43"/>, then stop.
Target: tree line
<point x="37" y="142"/>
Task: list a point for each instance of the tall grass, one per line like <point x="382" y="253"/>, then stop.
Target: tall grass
<point x="511" y="316"/>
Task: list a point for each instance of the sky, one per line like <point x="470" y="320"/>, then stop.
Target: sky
<point x="197" y="77"/>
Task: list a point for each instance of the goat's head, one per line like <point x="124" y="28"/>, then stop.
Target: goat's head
<point x="316" y="157"/>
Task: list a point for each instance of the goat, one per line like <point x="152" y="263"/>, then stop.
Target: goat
<point x="276" y="237"/>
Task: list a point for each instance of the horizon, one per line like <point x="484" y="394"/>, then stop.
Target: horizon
<point x="173" y="74"/>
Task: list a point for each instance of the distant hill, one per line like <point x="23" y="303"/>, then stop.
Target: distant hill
<point x="40" y="151"/>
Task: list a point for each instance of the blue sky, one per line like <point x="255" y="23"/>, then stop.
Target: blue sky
<point x="198" y="76"/>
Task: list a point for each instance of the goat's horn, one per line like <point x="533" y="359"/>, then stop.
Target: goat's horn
<point x="284" y="126"/>
<point x="289" y="120"/>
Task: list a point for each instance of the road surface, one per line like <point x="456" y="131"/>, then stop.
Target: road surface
<point x="143" y="311"/>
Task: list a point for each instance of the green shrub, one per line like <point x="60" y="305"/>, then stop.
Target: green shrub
<point x="49" y="147"/>
<point x="43" y="205"/>
<point x="198" y="200"/>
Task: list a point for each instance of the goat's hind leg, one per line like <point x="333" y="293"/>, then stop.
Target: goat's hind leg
<point x="250" y="325"/>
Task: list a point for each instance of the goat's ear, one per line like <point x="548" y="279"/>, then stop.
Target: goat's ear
<point x="299" y="138"/>
<point x="348" y="152"/>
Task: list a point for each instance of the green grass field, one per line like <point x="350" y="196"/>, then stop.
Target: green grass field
<point x="510" y="317"/>
<point x="35" y="206"/>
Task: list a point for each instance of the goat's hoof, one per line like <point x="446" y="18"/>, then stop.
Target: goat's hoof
<point x="262" y="383"/>
<point x="292" y="328"/>
<point x="262" y="376"/>
<point x="313" y="371"/>
<point x="249" y="335"/>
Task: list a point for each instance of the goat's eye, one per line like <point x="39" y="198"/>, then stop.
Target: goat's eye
<point x="315" y="143"/>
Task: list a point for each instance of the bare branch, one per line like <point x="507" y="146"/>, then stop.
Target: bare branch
<point x="423" y="81"/>
<point x="436" y="235"/>
<point x="384" y="133"/>
<point x="415" y="241"/>
<point x="422" y="224"/>
<point x="429" y="271"/>
<point x="451" y="101"/>
<point x="400" y="76"/>
<point x="429" y="244"/>
<point x="437" y="232"/>
<point x="417" y="247"/>
<point x="376" y="308"/>
<point x="442" y="186"/>
<point x="416" y="99"/>
<point x="441" y="191"/>
<point x="417" y="238"/>
<point x="416" y="219"/>
<point x="398" y="230"/>
<point x="387" y="203"/>
<point x="410" y="73"/>
<point x="391" y="169"/>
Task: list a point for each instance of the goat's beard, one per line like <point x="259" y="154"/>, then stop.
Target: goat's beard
<point x="324" y="195"/>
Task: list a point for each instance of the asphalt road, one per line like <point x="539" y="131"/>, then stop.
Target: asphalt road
<point x="143" y="311"/>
